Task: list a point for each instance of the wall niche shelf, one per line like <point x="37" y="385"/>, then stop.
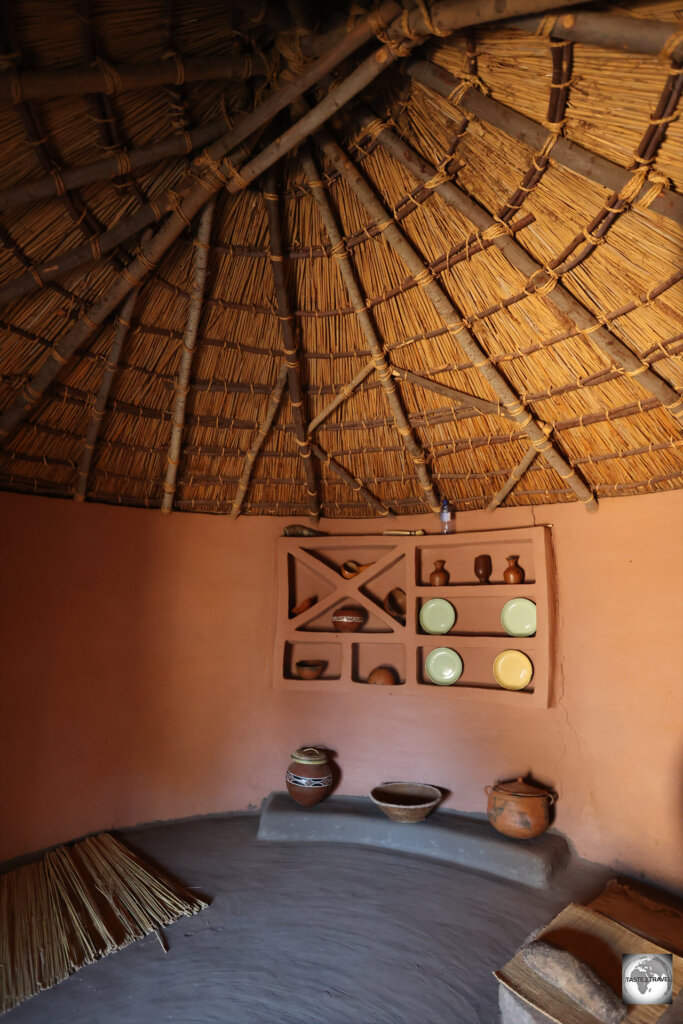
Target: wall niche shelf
<point x="311" y="568"/>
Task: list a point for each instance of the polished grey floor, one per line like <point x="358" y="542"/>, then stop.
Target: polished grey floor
<point x="319" y="934"/>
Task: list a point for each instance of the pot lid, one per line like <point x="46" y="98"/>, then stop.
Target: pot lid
<point x="309" y="755"/>
<point x="518" y="787"/>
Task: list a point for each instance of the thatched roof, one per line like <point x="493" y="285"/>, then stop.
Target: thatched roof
<point x="470" y="249"/>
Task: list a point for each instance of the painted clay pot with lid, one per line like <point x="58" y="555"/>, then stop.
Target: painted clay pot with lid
<point x="349" y="619"/>
<point x="309" y="776"/>
<point x="519" y="809"/>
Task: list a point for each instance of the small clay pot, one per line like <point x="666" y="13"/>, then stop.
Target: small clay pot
<point x="349" y="619"/>
<point x="514" y="572"/>
<point x="383" y="675"/>
<point x="310" y="669"/>
<point x="395" y="603"/>
<point x="308" y="778"/>
<point x="483" y="568"/>
<point x="519" y="809"/>
<point x="439" y="576"/>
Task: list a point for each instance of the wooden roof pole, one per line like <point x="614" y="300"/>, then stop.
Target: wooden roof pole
<point x="538" y="277"/>
<point x="471" y="401"/>
<point x="567" y="154"/>
<point x="351" y="481"/>
<point x="194" y="312"/>
<point x="100" y="405"/>
<point x="122" y="161"/>
<point x="345" y="392"/>
<point x="217" y="172"/>
<point x="445" y="308"/>
<point x="291" y="342"/>
<point x="380" y="361"/>
<point x="611" y="31"/>
<point x="44" y="273"/>
<point x="257" y="443"/>
<point x="112" y="79"/>
<point x="516" y="475"/>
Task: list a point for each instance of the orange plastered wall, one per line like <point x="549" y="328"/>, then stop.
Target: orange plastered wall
<point x="136" y="677"/>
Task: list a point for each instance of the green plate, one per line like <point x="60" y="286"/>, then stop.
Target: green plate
<point x="437" y="615"/>
<point x="518" y="617"/>
<point x="443" y="666"/>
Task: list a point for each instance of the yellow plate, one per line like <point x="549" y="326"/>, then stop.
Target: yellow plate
<point x="512" y="670"/>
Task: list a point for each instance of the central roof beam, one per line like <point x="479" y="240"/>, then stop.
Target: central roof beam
<point x="449" y="314"/>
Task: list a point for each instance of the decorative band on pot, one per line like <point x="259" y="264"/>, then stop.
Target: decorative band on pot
<point x="308" y="777"/>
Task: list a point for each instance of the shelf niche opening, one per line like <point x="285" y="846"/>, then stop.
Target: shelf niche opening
<point x="368" y="656"/>
<point x="330" y="653"/>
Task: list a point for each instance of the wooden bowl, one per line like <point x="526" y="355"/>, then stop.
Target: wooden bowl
<point x="406" y="801"/>
<point x="310" y="669"/>
<point x="395" y="603"/>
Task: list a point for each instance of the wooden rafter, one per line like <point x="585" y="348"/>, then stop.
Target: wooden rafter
<point x="194" y="312"/>
<point x="103" y="109"/>
<point x="450" y="315"/>
<point x="515" y="476"/>
<point x="538" y="277"/>
<point x="100" y="405"/>
<point x="257" y="443"/>
<point x="351" y="481"/>
<point x="40" y="140"/>
<point x="380" y="361"/>
<point x="291" y="342"/>
<point x="114" y="79"/>
<point x="462" y="397"/>
<point x="175" y="144"/>
<point x="342" y="395"/>
<point x="568" y="154"/>
<point x="128" y="227"/>
<point x="610" y="31"/>
<point x="215" y="172"/>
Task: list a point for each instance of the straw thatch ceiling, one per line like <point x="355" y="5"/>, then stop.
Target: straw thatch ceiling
<point x="477" y="255"/>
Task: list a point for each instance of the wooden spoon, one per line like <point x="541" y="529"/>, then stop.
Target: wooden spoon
<point x="351" y="569"/>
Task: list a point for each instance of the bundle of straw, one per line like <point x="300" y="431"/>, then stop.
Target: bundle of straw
<point x="75" y="905"/>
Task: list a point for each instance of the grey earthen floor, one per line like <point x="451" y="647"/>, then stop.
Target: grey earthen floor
<point x="319" y="934"/>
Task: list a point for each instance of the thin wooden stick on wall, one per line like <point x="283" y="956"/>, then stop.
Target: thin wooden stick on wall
<point x="202" y="246"/>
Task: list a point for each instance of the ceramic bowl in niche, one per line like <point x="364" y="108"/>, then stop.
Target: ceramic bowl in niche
<point x="310" y="669"/>
<point x="443" y="666"/>
<point x="513" y="670"/>
<point x="518" y="617"/>
<point x="437" y="615"/>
